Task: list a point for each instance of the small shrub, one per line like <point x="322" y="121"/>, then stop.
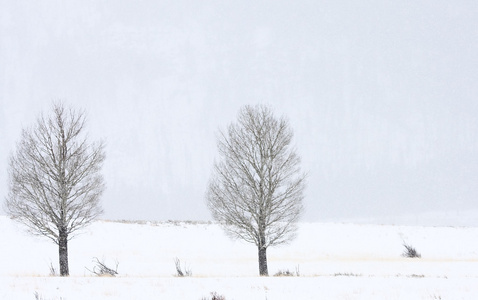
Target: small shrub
<point x="416" y="276"/>
<point x="286" y="272"/>
<point x="410" y="252"/>
<point x="40" y="297"/>
<point x="53" y="271"/>
<point x="101" y="269"/>
<point x="347" y="274"/>
<point x="186" y="272"/>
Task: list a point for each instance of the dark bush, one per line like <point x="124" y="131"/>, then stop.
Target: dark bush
<point x="410" y="252"/>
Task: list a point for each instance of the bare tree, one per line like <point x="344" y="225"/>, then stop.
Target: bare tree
<point x="256" y="189"/>
<point x="54" y="178"/>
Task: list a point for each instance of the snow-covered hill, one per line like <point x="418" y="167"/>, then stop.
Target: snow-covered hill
<point x="335" y="261"/>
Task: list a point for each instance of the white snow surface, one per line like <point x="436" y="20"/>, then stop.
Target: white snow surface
<point x="335" y="261"/>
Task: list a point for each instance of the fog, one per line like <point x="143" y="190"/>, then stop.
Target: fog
<point x="381" y="95"/>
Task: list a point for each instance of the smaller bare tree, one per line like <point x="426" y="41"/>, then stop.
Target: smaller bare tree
<point x="54" y="178"/>
<point x="256" y="189"/>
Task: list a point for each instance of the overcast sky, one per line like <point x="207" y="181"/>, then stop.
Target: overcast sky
<point x="382" y="95"/>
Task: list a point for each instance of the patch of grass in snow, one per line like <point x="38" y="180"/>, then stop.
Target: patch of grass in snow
<point x="287" y="273"/>
<point x="156" y="223"/>
<point x="40" y="297"/>
<point x="348" y="274"/>
<point x="414" y="276"/>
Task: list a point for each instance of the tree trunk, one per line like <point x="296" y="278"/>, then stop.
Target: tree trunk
<point x="63" y="252"/>
<point x="261" y="247"/>
<point x="263" y="261"/>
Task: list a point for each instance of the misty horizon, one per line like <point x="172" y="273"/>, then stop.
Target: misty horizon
<point x="381" y="97"/>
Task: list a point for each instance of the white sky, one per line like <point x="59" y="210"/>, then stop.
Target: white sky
<point x="382" y="95"/>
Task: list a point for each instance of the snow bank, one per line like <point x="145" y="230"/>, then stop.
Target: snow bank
<point x="335" y="261"/>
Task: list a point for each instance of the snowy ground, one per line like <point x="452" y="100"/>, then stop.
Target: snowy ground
<point x="335" y="261"/>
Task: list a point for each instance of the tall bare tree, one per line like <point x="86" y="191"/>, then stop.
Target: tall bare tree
<point x="256" y="189"/>
<point x="54" y="178"/>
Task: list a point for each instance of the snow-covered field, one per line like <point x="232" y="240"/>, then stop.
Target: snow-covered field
<point x="335" y="261"/>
